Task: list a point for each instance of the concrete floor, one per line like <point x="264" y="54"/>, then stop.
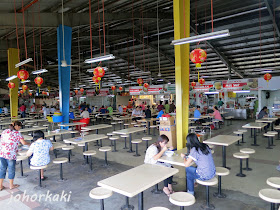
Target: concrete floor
<point x="242" y="193"/>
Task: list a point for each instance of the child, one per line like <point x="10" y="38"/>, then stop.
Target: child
<point x="40" y="150"/>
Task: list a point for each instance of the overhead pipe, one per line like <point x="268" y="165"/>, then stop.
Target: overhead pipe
<point x="28" y="5"/>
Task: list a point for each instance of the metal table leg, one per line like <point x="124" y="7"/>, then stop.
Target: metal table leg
<point x="130" y="144"/>
<point x="255" y="138"/>
<point x="224" y="158"/>
<point x="140" y="201"/>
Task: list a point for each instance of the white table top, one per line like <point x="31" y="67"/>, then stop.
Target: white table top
<point x="138" y="179"/>
<point x="254" y="125"/>
<point x="36" y="120"/>
<point x="129" y="130"/>
<point x="33" y="129"/>
<point x="58" y="145"/>
<point x="61" y="132"/>
<point x="5" y="123"/>
<point x="175" y="159"/>
<point x="27" y="137"/>
<point x="71" y="124"/>
<point x="270" y="118"/>
<point x="148" y="119"/>
<point x="265" y="121"/>
<point x="223" y="140"/>
<point x="87" y="138"/>
<point x="96" y="127"/>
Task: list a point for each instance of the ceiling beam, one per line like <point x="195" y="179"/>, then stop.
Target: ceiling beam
<point x="271" y="14"/>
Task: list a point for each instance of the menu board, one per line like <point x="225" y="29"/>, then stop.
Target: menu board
<point x="151" y="90"/>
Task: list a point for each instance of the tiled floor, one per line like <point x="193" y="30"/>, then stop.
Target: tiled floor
<point x="242" y="192"/>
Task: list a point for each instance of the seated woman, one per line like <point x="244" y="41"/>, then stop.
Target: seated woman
<point x="40" y="150"/>
<point x="153" y="153"/>
<point x="200" y="153"/>
<point x="216" y="114"/>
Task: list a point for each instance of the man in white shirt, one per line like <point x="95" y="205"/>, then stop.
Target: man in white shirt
<point x="44" y="110"/>
<point x="136" y="113"/>
<point x="85" y="113"/>
<point x="33" y="108"/>
<point x="5" y="110"/>
<point x="252" y="107"/>
<point x="52" y="110"/>
<point x="120" y="109"/>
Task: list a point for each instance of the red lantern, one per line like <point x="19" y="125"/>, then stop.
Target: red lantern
<point x="193" y="84"/>
<point x="23" y="74"/>
<point x="24" y="88"/>
<point x="38" y="81"/>
<point x="120" y="88"/>
<point x="113" y="88"/>
<point x="95" y="80"/>
<point x="99" y="72"/>
<point x="201" y="81"/>
<point x="76" y="91"/>
<point x="18" y="94"/>
<point x="146" y="85"/>
<point x="82" y="90"/>
<point x="198" y="56"/>
<point x="11" y="85"/>
<point x="140" y="81"/>
<point x="30" y="94"/>
<point x="267" y="77"/>
<point x="194" y="95"/>
<point x="21" y="91"/>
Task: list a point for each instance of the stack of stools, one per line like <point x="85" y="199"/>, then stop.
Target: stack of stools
<point x="243" y="131"/>
<point x="270" y="195"/>
<point x="60" y="161"/>
<point x="154" y="129"/>
<point x="100" y="193"/>
<point x="39" y="171"/>
<point x="68" y="148"/>
<point x="269" y="140"/>
<point x="136" y="142"/>
<point x="90" y="153"/>
<point x="238" y="133"/>
<point x="247" y="151"/>
<point x="114" y="125"/>
<point x="105" y="150"/>
<point x="241" y="156"/>
<point x="182" y="199"/>
<point x="208" y="183"/>
<point x="220" y="171"/>
<point x="20" y="159"/>
<point x="147" y="139"/>
<point x="113" y="141"/>
<point x="125" y="136"/>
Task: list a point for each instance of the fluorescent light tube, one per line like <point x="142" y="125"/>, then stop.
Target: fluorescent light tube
<point x="242" y="91"/>
<point x="160" y="80"/>
<point x="25" y="81"/>
<point x="203" y="37"/>
<point x="101" y="58"/>
<point x="40" y="71"/>
<point x="11" y="78"/>
<point x="209" y="93"/>
<point x="23" y="62"/>
<point x="91" y="70"/>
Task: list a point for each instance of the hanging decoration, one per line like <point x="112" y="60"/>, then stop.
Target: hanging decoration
<point x="76" y="91"/>
<point x="198" y="56"/>
<point x="113" y="88"/>
<point x="38" y="81"/>
<point x="201" y="81"/>
<point x="21" y="92"/>
<point x="82" y="90"/>
<point x="23" y="75"/>
<point x="140" y="81"/>
<point x="99" y="72"/>
<point x="11" y="85"/>
<point x="267" y="77"/>
<point x="193" y="84"/>
<point x="18" y="94"/>
<point x="146" y="85"/>
<point x="30" y="94"/>
<point x="120" y="88"/>
<point x="24" y="88"/>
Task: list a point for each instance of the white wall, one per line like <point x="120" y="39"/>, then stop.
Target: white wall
<point x="99" y="100"/>
<point x="122" y="100"/>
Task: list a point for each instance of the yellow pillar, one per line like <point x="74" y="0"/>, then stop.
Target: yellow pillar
<point x="12" y="61"/>
<point x="181" y="9"/>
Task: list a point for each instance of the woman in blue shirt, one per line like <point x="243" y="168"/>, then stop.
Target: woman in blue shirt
<point x="200" y="153"/>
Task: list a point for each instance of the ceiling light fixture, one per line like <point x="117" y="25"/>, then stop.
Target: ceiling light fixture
<point x="23" y="62"/>
<point x="211" y="93"/>
<point x="25" y="81"/>
<point x="101" y="58"/>
<point x="11" y="78"/>
<point x="242" y="91"/>
<point x="203" y="37"/>
<point x="91" y="70"/>
<point x="40" y="71"/>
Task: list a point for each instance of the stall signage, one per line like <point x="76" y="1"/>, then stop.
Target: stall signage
<point x="140" y="90"/>
<point x="104" y="92"/>
<point x="205" y="87"/>
<point x="90" y="92"/>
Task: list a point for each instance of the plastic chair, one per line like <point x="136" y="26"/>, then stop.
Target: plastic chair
<point x="85" y="120"/>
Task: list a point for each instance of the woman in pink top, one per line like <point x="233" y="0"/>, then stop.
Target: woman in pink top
<point x="216" y="114"/>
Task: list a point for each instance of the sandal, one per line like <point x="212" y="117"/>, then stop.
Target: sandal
<point x="3" y="188"/>
<point x="168" y="194"/>
<point x="14" y="186"/>
<point x="44" y="178"/>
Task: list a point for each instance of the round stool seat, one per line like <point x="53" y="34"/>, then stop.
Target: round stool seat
<point x="137" y="125"/>
<point x="100" y="193"/>
<point x="143" y="124"/>
<point x="133" y="123"/>
<point x="38" y="167"/>
<point x="238" y="132"/>
<point x="204" y="124"/>
<point x="136" y="141"/>
<point x="20" y="158"/>
<point x="114" y="138"/>
<point x="22" y="153"/>
<point x="105" y="149"/>
<point x="60" y="160"/>
<point x="210" y="182"/>
<point x="247" y="151"/>
<point x="270" y="195"/>
<point x="81" y="145"/>
<point x="153" y="126"/>
<point x="35" y="126"/>
<point x="89" y="153"/>
<point x="126" y="124"/>
<point x="46" y="125"/>
<point x="269" y="135"/>
<point x="221" y="171"/>
<point x="147" y="138"/>
<point x="120" y="122"/>
<point x="277" y="128"/>
<point x="241" y="155"/>
<point x="273" y="132"/>
<point x="68" y="147"/>
<point x="273" y="182"/>
<point x="244" y="131"/>
<point x="182" y="199"/>
<point x="158" y="208"/>
<point x="113" y="123"/>
<point x="124" y="136"/>
<point x="110" y="134"/>
<point x="66" y="141"/>
<point x="190" y="127"/>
